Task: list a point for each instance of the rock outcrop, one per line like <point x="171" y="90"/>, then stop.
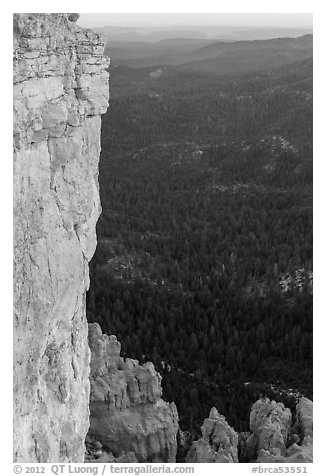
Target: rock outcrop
<point x="219" y="443"/>
<point x="270" y="422"/>
<point x="127" y="412"/>
<point x="305" y="417"/>
<point x="60" y="90"/>
<point x="275" y="439"/>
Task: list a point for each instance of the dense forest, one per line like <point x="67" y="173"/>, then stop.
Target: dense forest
<point x="204" y="260"/>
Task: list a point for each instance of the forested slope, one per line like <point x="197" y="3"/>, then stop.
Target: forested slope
<point x="204" y="261"/>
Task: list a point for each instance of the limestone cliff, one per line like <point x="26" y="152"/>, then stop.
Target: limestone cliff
<point x="127" y="412"/>
<point x="60" y="90"/>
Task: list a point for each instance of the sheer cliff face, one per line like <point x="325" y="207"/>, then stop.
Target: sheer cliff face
<point x="60" y="90"/>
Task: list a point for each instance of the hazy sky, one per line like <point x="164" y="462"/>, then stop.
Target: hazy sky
<point x="280" y="20"/>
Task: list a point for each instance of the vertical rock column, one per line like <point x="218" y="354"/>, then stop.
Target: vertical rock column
<point x="60" y="90"/>
<point x="219" y="443"/>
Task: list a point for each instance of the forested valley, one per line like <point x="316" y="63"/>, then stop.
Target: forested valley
<point x="204" y="257"/>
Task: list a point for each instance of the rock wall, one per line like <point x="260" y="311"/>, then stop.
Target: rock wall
<point x="127" y="412"/>
<point x="60" y="90"/>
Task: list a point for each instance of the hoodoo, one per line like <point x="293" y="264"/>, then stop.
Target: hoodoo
<point x="127" y="411"/>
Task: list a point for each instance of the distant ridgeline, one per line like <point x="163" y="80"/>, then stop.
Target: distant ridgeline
<point x="204" y="261"/>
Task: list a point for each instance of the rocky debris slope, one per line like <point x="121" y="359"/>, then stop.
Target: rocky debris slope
<point x="96" y="454"/>
<point x="127" y="414"/>
<point x="219" y="443"/>
<point x="274" y="438"/>
<point x="60" y="90"/>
